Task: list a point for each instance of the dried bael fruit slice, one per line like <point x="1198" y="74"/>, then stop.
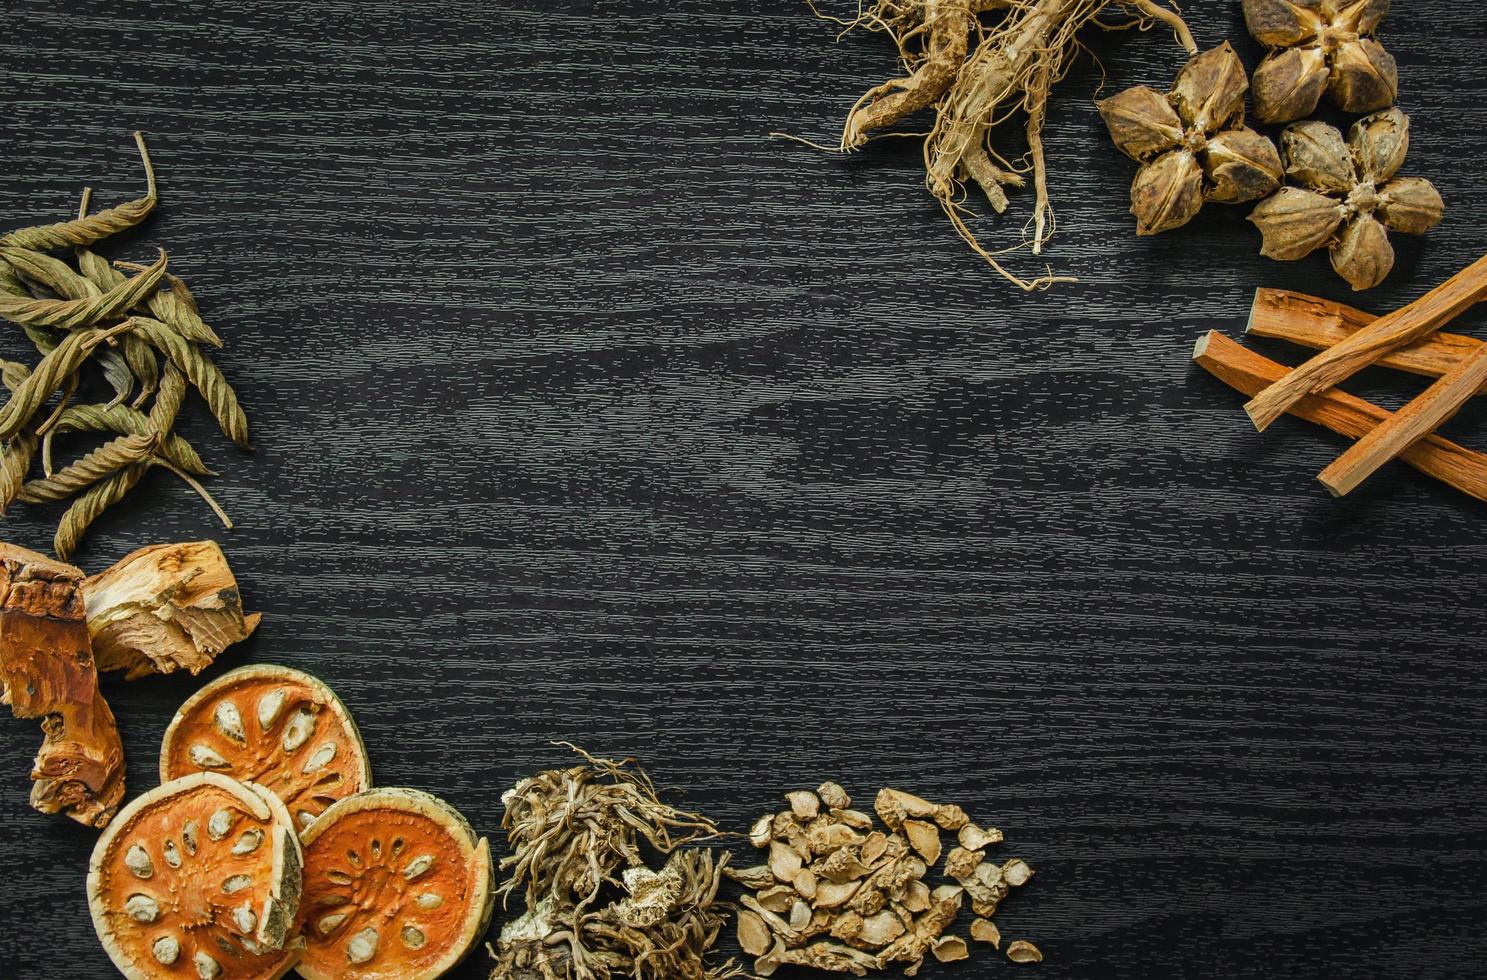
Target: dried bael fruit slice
<point x="274" y="726"/>
<point x="397" y="886"/>
<point x="199" y="877"/>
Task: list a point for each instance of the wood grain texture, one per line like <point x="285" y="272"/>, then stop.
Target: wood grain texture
<point x="584" y="410"/>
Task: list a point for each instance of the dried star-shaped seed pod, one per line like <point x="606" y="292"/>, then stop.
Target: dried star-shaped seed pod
<point x="1317" y="46"/>
<point x="1349" y="198"/>
<point x="1192" y="143"/>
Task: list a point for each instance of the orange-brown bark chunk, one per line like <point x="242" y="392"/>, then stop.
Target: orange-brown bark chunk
<point x="47" y="672"/>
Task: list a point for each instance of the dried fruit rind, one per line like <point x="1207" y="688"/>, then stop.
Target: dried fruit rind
<point x="278" y="727"/>
<point x="200" y="876"/>
<point x="397" y="886"/>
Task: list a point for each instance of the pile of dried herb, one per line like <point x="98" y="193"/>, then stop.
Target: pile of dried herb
<point x="610" y="891"/>
<point x="980" y="64"/>
<point x="93" y="315"/>
<point x="838" y="894"/>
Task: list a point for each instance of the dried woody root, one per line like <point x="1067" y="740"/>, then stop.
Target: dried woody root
<point x="838" y="894"/>
<point x="585" y="844"/>
<point x="1350" y="340"/>
<point x="978" y="63"/>
<point x="162" y="608"/>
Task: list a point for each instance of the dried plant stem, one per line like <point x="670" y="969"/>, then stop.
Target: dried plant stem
<point x="1322" y="323"/>
<point x="86" y="231"/>
<point x="201" y="491"/>
<point x="1431" y="409"/>
<point x="1386" y="334"/>
<point x="1345" y="414"/>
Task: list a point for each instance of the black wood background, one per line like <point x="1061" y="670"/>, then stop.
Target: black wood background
<point x="586" y="411"/>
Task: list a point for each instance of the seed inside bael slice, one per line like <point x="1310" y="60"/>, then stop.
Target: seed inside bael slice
<point x="198" y="878"/>
<point x="277" y="727"/>
<point x="397" y="887"/>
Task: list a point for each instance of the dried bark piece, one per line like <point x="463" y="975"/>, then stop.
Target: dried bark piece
<point x="47" y="672"/>
<point x="283" y="728"/>
<point x="1191" y="143"/>
<point x="924" y="838"/>
<point x="1022" y="951"/>
<point x="804" y="804"/>
<point x="1351" y="186"/>
<point x="753" y="935"/>
<point x="171" y="898"/>
<point x="1317" y="46"/>
<point x="973" y="838"/>
<point x="165" y="607"/>
<point x="396" y="885"/>
<point x="834" y="796"/>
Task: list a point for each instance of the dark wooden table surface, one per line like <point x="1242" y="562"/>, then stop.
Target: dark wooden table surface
<point x="586" y="411"/>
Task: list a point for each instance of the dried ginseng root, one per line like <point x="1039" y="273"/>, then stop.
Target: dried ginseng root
<point x="198" y="878"/>
<point x="597" y="908"/>
<point x="841" y="895"/>
<point x="979" y="64"/>
<point x="1192" y="143"/>
<point x="277" y="727"/>
<point x="1349" y="199"/>
<point x="1317" y="46"/>
<point x="165" y="607"/>
<point x="47" y="672"/>
<point x="397" y="886"/>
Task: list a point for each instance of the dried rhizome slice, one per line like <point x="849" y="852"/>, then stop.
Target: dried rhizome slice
<point x="165" y="607"/>
<point x="198" y="878"/>
<point x="397" y="886"/>
<point x="47" y="672"/>
<point x="280" y="728"/>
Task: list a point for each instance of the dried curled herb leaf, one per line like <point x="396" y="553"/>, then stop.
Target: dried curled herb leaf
<point x="1320" y="46"/>
<point x="1349" y="198"/>
<point x="86" y="231"/>
<point x="1192" y="143"/>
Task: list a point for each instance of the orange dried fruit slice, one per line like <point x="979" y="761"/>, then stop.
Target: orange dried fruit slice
<point x="198" y="878"/>
<point x="277" y="727"/>
<point x="397" y="887"/>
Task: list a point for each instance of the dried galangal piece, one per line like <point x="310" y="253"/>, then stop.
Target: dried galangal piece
<point x="198" y="878"/>
<point x="278" y="727"/>
<point x="1349" y="199"/>
<point x="1317" y="46"/>
<point x="397" y="886"/>
<point x="47" y="672"/>
<point x="1192" y="143"/>
<point x="164" y="608"/>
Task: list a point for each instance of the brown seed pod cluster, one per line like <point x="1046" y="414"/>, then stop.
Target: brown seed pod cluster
<point x="838" y="894"/>
<point x="1320" y="46"/>
<point x="1192" y="143"/>
<point x="610" y="889"/>
<point x="1350" y="197"/>
<point x="94" y="315"/>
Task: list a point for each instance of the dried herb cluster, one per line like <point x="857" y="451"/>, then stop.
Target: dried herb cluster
<point x="94" y="314"/>
<point x="585" y="843"/>
<point x="838" y="894"/>
<point x="979" y="63"/>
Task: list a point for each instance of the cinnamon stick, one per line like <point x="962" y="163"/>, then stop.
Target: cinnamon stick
<point x="1322" y="323"/>
<point x="1422" y="416"/>
<point x="1386" y="334"/>
<point x="1347" y="415"/>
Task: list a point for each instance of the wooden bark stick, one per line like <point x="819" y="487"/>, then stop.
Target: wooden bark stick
<point x="47" y="672"/>
<point x="1385" y="334"/>
<point x="1345" y="414"/>
<point x="1430" y="409"/>
<point x="165" y="607"/>
<point x="1321" y="323"/>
